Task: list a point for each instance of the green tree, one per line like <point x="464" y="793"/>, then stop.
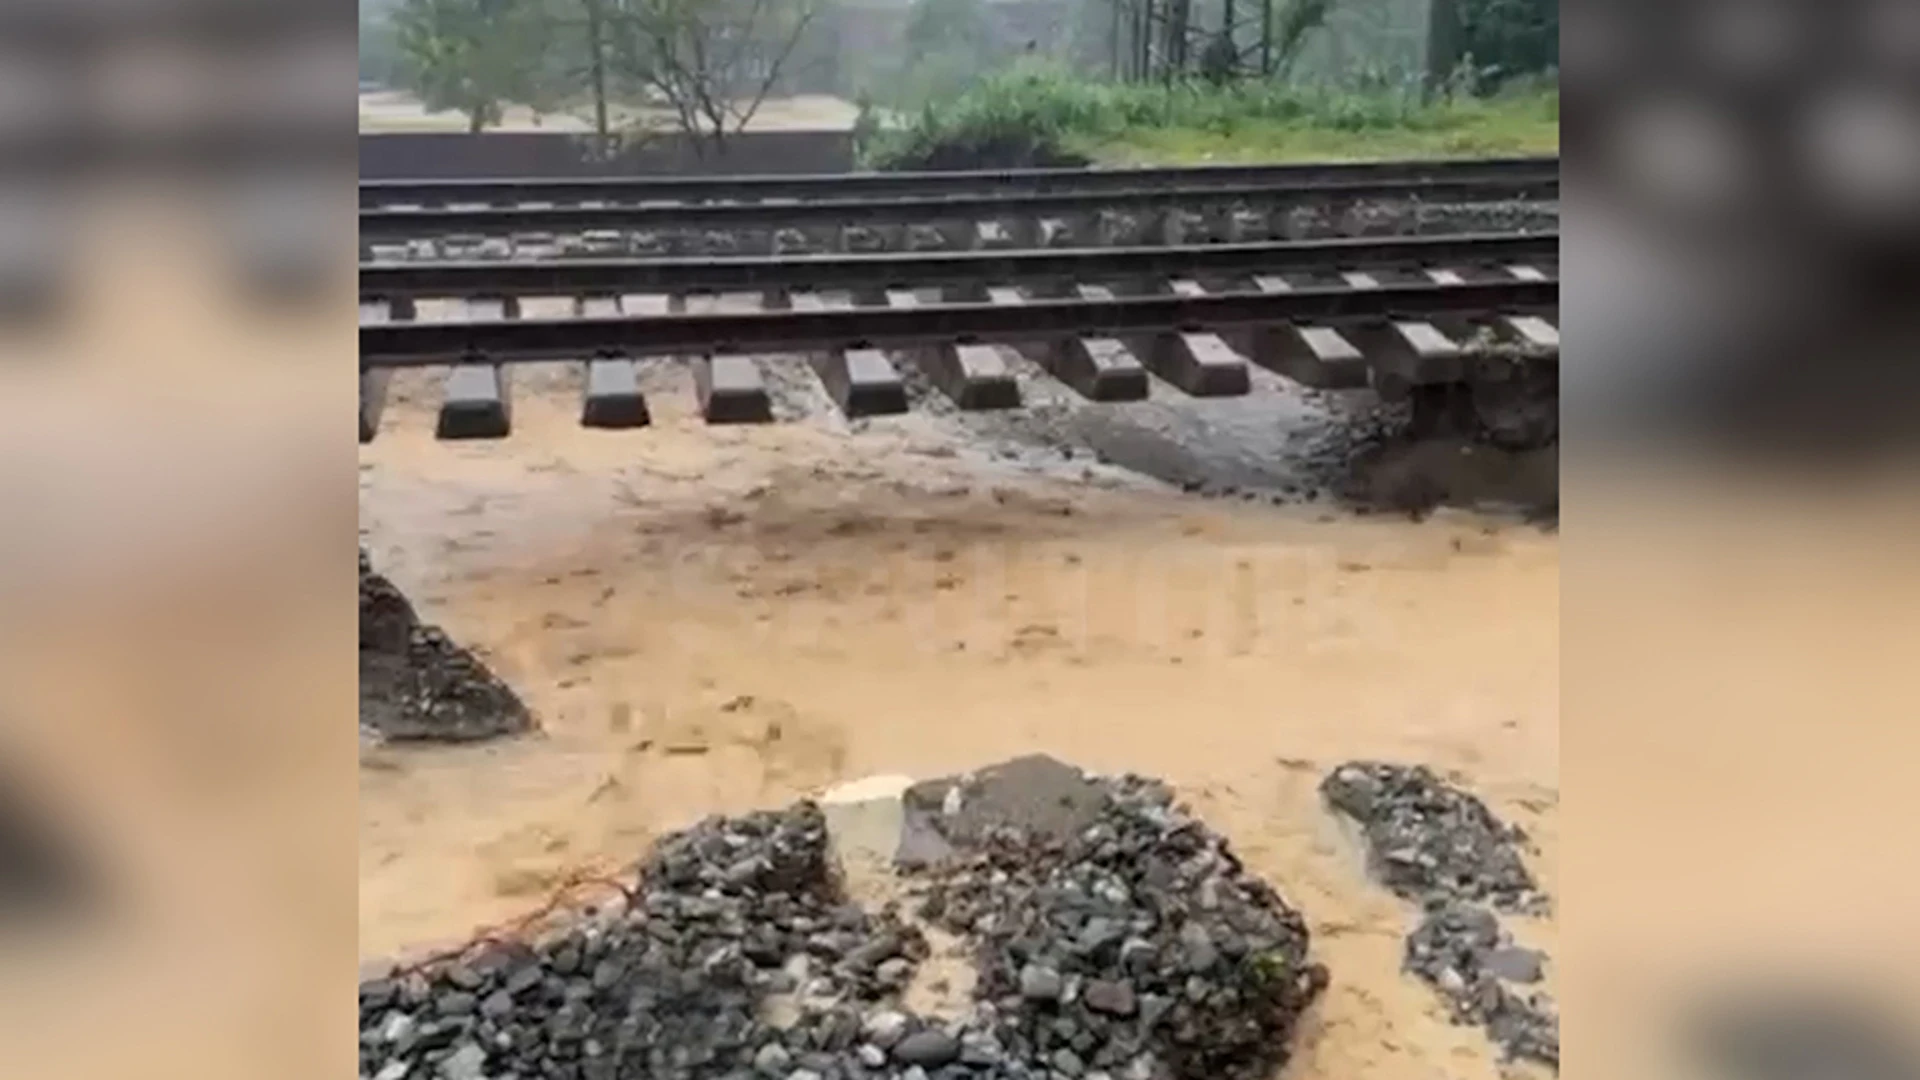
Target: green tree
<point x="947" y="45"/>
<point x="475" y="56"/>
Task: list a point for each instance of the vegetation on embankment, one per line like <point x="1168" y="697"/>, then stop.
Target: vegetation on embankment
<point x="1041" y="116"/>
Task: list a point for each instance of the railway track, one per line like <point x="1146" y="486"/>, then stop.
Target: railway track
<point x="1523" y="173"/>
<point x="1401" y="314"/>
<point x="1047" y="269"/>
<point x="1019" y="216"/>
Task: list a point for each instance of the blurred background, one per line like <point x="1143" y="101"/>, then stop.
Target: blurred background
<point x="1742" y="209"/>
<point x="176" y="493"/>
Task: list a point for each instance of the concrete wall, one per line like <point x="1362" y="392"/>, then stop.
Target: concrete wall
<point x="450" y="155"/>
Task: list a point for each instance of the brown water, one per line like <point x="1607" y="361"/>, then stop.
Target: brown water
<point x="709" y="620"/>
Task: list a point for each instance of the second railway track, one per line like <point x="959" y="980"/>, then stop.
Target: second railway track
<point x="1523" y="173"/>
<point x="1022" y="210"/>
<point x="967" y="269"/>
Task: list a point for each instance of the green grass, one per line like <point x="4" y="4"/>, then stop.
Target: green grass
<point x="1195" y="123"/>
<point x="1501" y="128"/>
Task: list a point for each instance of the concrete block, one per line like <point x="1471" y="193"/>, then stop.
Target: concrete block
<point x="731" y="390"/>
<point x="863" y="382"/>
<point x="612" y="398"/>
<point x="975" y="375"/>
<point x="862" y="240"/>
<point x="475" y="404"/>
<point x="1099" y="369"/>
<point x="603" y="241"/>
<point x="597" y="307"/>
<point x="865" y="819"/>
<point x="1244" y="226"/>
<point x="481" y="308"/>
<point x="991" y="236"/>
<point x="1533" y="331"/>
<point x="1060" y="232"/>
<point x="1315" y="356"/>
<point x="926" y="238"/>
<point x="373" y="399"/>
<point x="1114" y="228"/>
<point x="646" y="304"/>
<point x="1403" y="354"/>
<point x="1201" y="363"/>
<point x="461" y="245"/>
<point x="1176" y="227"/>
<point x="792" y="242"/>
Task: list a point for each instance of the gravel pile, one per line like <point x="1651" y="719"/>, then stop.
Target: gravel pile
<point x="1460" y="950"/>
<point x="416" y="684"/>
<point x="1427" y="840"/>
<point x="1440" y="847"/>
<point x="1134" y="949"/>
<point x="736" y="959"/>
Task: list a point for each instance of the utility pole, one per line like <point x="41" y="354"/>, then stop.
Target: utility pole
<point x="1443" y="43"/>
<point x="1178" y="21"/>
<point x="1143" y="41"/>
<point x="1230" y="30"/>
<point x="1266" y="39"/>
<point x="597" y="72"/>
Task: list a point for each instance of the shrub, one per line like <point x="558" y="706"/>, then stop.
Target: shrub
<point x="1038" y="115"/>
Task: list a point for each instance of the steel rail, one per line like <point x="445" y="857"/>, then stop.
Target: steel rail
<point x="397" y="224"/>
<point x="414" y="344"/>
<point x="584" y="277"/>
<point x="381" y="193"/>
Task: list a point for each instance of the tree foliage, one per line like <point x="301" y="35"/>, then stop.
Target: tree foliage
<point x="1168" y="40"/>
<point x="1508" y="38"/>
<point x="947" y="44"/>
<point x="474" y="56"/>
<point x="380" y="59"/>
<point x="712" y="63"/>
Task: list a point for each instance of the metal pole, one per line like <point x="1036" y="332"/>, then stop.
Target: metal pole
<point x="1443" y="43"/>
<point x="597" y="71"/>
<point x="1266" y="39"/>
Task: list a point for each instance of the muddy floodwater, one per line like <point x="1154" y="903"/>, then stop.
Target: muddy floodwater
<point x="714" y="619"/>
